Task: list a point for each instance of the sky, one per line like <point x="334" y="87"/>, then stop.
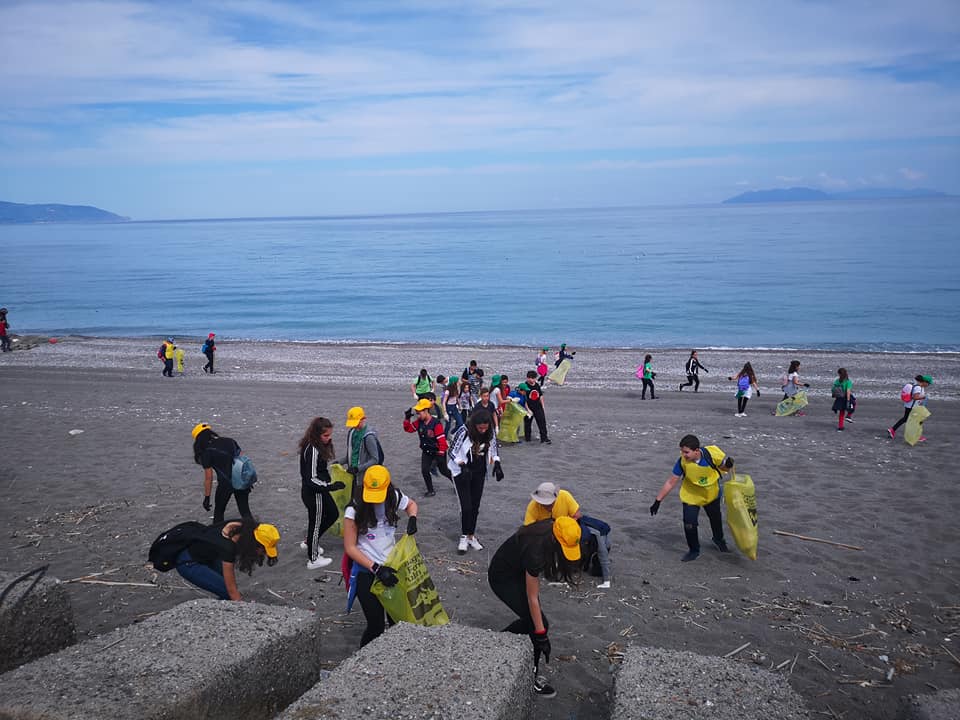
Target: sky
<point x="247" y="108"/>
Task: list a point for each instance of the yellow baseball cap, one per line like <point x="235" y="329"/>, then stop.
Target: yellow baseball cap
<point x="199" y="428"/>
<point x="354" y="416"/>
<point x="423" y="404"/>
<point x="567" y="532"/>
<point x="376" y="480"/>
<point x="268" y="536"/>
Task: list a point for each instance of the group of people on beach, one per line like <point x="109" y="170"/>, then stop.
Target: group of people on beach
<point x="170" y="353"/>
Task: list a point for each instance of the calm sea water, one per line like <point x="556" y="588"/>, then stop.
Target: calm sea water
<point x="869" y="275"/>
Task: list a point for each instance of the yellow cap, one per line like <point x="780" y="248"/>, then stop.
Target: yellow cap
<point x="423" y="404"/>
<point x="354" y="416"/>
<point x="268" y="536"/>
<point x="376" y="480"/>
<point x="199" y="428"/>
<point x="567" y="532"/>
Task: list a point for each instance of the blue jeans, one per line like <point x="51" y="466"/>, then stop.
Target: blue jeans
<point x="456" y="419"/>
<point x="203" y="576"/>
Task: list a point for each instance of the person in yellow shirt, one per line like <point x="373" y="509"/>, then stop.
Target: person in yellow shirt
<point x="550" y="503"/>
<point x="701" y="470"/>
<point x="169" y="352"/>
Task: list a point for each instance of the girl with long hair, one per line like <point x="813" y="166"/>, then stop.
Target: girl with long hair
<point x="450" y="399"/>
<point x="843" y="400"/>
<point x="746" y="384"/>
<point x="215" y="454"/>
<point x="647" y="375"/>
<point x="472" y="449"/>
<point x="369" y="530"/>
<point x="316" y="450"/>
<point x="550" y="548"/>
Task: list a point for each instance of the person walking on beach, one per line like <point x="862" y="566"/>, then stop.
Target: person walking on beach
<point x="843" y="399"/>
<point x="701" y="470"/>
<point x="474" y="377"/>
<point x="316" y="450"/>
<point x="533" y="392"/>
<point x="911" y="394"/>
<point x="488" y="406"/>
<point x="746" y="384"/>
<point x="433" y="441"/>
<point x="4" y="328"/>
<point x="215" y="454"/>
<point x="363" y="447"/>
<point x="692" y="367"/>
<point x="500" y="394"/>
<point x="465" y="399"/>
<point x="541" y="365"/>
<point x="211" y="561"/>
<point x="474" y="447"/>
<point x="451" y="398"/>
<point x="792" y="382"/>
<point x="562" y="355"/>
<point x="168" y="350"/>
<point x="208" y="349"/>
<point x="550" y="548"/>
<point x="422" y="386"/>
<point x="369" y="534"/>
<point x="646" y="374"/>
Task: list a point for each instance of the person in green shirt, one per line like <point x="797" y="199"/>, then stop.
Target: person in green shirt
<point x="844" y="402"/>
<point x="423" y="385"/>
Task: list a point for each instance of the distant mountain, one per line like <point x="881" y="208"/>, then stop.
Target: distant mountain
<point x="805" y="194"/>
<point x="12" y="213"/>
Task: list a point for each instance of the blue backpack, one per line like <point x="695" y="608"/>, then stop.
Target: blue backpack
<point x="243" y="474"/>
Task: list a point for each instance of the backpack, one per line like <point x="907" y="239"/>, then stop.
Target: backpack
<point x="906" y="392"/>
<point x="640" y="372"/>
<point x="205" y="347"/>
<point x="162" y="352"/>
<point x="837" y="391"/>
<point x="243" y="474"/>
<point x="164" y="550"/>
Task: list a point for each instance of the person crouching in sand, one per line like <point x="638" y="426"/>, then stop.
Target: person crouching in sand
<point x="550" y="548"/>
<point x="700" y="469"/>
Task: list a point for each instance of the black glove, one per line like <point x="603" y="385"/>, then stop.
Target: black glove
<point x="541" y="646"/>
<point x="655" y="508"/>
<point x="728" y="463"/>
<point x="206" y="503"/>
<point x="412" y="525"/>
<point x="338" y="485"/>
<point x="386" y="574"/>
<point x="806" y="384"/>
<point x="407" y="414"/>
<point x="497" y="471"/>
<point x="758" y="392"/>
<point x="353" y="470"/>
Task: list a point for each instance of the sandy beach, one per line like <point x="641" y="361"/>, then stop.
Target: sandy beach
<point x="853" y="630"/>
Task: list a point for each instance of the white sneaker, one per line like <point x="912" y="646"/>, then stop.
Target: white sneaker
<point x="737" y="415"/>
<point x="462" y="545"/>
<point x="474" y="543"/>
<point x="605" y="585"/>
<point x="303" y="545"/>
<point x="320" y="562"/>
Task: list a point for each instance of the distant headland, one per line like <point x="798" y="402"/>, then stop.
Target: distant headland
<point x="805" y="194"/>
<point x="18" y="213"/>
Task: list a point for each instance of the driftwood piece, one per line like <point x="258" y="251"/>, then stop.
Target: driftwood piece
<point x="819" y="540"/>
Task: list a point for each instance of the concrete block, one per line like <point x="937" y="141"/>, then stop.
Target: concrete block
<point x="413" y="673"/>
<point x="942" y="705"/>
<point x="658" y="684"/>
<point x="35" y="619"/>
<point x="201" y="659"/>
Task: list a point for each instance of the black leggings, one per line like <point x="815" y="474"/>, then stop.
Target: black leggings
<point x="691" y="514"/>
<point x="469" y="484"/>
<point x="427" y="461"/>
<point x="647" y="382"/>
<point x="322" y="512"/>
<point x="222" y="497"/>
<point x="692" y="380"/>
<point x="540" y="416"/>
<point x="209" y="366"/>
<point x="901" y="421"/>
<point x="742" y="403"/>
<point x="512" y="590"/>
<point x="373" y="611"/>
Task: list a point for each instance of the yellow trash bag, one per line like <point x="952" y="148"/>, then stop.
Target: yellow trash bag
<point x="414" y="599"/>
<point x="340" y="497"/>
<point x="914" y="428"/>
<point x="740" y="497"/>
<point x="560" y="373"/>
<point x="511" y="423"/>
<point x="790" y="405"/>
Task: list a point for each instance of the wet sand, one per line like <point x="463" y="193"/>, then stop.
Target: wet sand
<point x="92" y="502"/>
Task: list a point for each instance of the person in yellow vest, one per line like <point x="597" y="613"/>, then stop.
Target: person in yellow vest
<point x="169" y="352"/>
<point x="701" y="470"/>
<point x="550" y="503"/>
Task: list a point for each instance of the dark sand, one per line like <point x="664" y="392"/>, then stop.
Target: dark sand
<point x="93" y="502"/>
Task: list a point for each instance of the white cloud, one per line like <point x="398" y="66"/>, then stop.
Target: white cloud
<point x="790" y="178"/>
<point x="911" y="175"/>
<point x="828" y="182"/>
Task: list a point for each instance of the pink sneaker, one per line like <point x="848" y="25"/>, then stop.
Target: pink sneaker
<point x="922" y="439"/>
<point x="892" y="433"/>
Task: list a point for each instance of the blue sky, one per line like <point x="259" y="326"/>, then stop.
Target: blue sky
<point x="255" y="108"/>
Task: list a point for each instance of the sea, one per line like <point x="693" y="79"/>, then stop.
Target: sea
<point x="881" y="275"/>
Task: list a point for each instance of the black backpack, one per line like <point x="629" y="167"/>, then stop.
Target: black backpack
<point x="164" y="550"/>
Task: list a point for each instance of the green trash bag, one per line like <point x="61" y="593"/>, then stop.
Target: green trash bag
<point x="740" y="497"/>
<point x="914" y="429"/>
<point x="414" y="599"/>
<point x="511" y="423"/>
<point x="790" y="405"/>
<point x="560" y="374"/>
<point x="340" y="497"/>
